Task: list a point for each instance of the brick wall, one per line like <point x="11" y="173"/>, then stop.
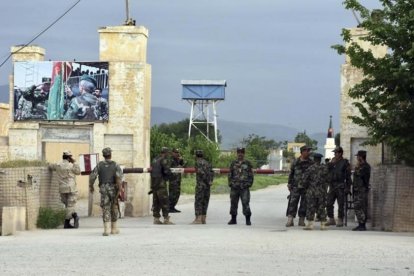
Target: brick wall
<point x="391" y="198"/>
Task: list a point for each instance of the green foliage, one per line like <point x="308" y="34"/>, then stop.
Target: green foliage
<point x="258" y="148"/>
<point x="50" y="218"/>
<point x="302" y="137"/>
<point x="220" y="183"/>
<point x="210" y="150"/>
<point x="386" y="95"/>
<point x="160" y="139"/>
<point x="22" y="163"/>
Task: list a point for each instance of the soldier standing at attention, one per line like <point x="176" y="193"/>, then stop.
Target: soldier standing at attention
<point x="204" y="178"/>
<point x="316" y="179"/>
<point x="66" y="172"/>
<point x="297" y="187"/>
<point x="361" y="187"/>
<point x="339" y="186"/>
<point x="174" y="188"/>
<point x="160" y="173"/>
<point x="110" y="175"/>
<point x="240" y="180"/>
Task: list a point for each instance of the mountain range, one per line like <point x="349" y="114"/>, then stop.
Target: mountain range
<point x="232" y="132"/>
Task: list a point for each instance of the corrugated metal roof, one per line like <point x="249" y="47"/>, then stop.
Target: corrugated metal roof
<point x="204" y="82"/>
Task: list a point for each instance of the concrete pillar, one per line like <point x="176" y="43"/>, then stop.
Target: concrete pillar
<point x="128" y="128"/>
<point x="353" y="135"/>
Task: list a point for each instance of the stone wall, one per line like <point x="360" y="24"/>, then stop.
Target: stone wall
<point x="391" y="198"/>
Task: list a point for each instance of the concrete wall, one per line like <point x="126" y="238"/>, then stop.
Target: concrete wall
<point x="353" y="135"/>
<point x="391" y="198"/>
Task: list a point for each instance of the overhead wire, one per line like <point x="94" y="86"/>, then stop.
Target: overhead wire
<point x="42" y="32"/>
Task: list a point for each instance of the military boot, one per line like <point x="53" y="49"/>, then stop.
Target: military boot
<point x="331" y="221"/>
<point x="167" y="221"/>
<point x="248" y="222"/>
<point x="114" y="229"/>
<point x="340" y="222"/>
<point x="203" y="219"/>
<point x="309" y="226"/>
<point x="157" y="221"/>
<point x="233" y="220"/>
<point x="67" y="224"/>
<point x="290" y="223"/>
<point x="323" y="225"/>
<point x="301" y="221"/>
<point x="106" y="229"/>
<point x="197" y="220"/>
<point x="76" y="220"/>
<point x="360" y="227"/>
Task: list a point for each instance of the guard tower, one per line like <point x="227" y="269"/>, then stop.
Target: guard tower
<point x="203" y="96"/>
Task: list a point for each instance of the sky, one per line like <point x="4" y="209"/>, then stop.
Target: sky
<point x="275" y="55"/>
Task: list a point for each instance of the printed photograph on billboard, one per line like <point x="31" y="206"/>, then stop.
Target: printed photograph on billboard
<point x="61" y="90"/>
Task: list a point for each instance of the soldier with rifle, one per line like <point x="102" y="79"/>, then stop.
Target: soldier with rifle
<point x="361" y="188"/>
<point x="339" y="187"/>
<point x="110" y="177"/>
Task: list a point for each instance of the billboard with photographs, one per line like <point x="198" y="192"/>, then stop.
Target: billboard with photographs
<point x="61" y="90"/>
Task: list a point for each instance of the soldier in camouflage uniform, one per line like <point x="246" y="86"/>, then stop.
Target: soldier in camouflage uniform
<point x="84" y="106"/>
<point x="160" y="173"/>
<point x="361" y="187"/>
<point x="174" y="187"/>
<point x="204" y="178"/>
<point x="339" y="186"/>
<point x="66" y="172"/>
<point x="297" y="187"/>
<point x="316" y="179"/>
<point x="240" y="180"/>
<point x="102" y="105"/>
<point x="110" y="177"/>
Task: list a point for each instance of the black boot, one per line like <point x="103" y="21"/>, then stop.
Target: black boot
<point x="360" y="227"/>
<point x="76" y="220"/>
<point x="248" y="222"/>
<point x="67" y="224"/>
<point x="233" y="220"/>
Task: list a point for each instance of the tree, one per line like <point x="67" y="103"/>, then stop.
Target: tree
<point x="160" y="139"/>
<point x="258" y="148"/>
<point x="302" y="137"/>
<point x="386" y="94"/>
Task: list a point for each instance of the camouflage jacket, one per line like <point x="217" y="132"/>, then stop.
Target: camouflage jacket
<point x="240" y="174"/>
<point x="176" y="163"/>
<point x="297" y="170"/>
<point x="83" y="107"/>
<point x="204" y="172"/>
<point x="340" y="174"/>
<point x="108" y="171"/>
<point x="316" y="177"/>
<point x="362" y="175"/>
<point x="66" y="173"/>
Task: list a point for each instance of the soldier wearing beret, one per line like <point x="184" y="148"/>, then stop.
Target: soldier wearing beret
<point x="204" y="178"/>
<point x="361" y="187"/>
<point x="240" y="180"/>
<point x="316" y="181"/>
<point x="110" y="177"/>
<point x="297" y="187"/>
<point x="66" y="172"/>
<point x="160" y="173"/>
<point x="339" y="186"/>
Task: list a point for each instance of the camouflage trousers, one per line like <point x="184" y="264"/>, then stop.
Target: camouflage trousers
<point x="202" y="198"/>
<point x="297" y="197"/>
<point x="315" y="204"/>
<point x="337" y="194"/>
<point x="361" y="205"/>
<point x="174" y="190"/>
<point x="244" y="196"/>
<point x="109" y="202"/>
<point x="159" y="198"/>
<point x="69" y="200"/>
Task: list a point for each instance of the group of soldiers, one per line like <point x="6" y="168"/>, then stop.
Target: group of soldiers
<point x="315" y="187"/>
<point x="240" y="179"/>
<point x="41" y="102"/>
